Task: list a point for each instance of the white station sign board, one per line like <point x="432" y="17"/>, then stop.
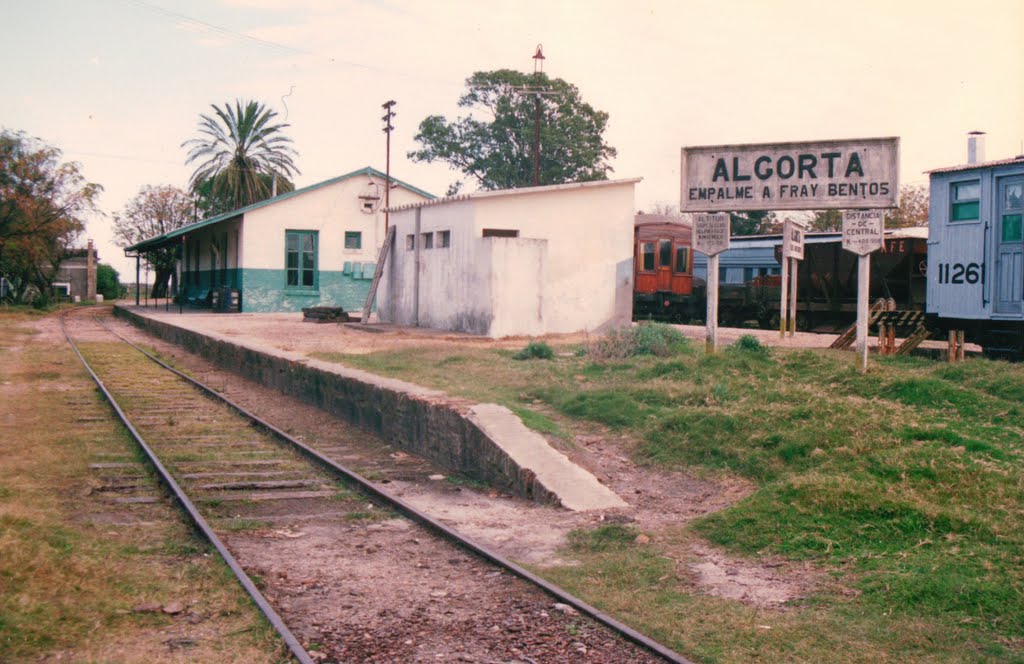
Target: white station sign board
<point x="793" y="240"/>
<point x="710" y="233"/>
<point x="863" y="231"/>
<point x="858" y="173"/>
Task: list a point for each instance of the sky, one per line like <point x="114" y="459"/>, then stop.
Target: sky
<point x="118" y="85"/>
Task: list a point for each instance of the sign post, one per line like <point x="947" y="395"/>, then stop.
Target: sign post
<point x="711" y="237"/>
<point x="863" y="233"/>
<point x="792" y="251"/>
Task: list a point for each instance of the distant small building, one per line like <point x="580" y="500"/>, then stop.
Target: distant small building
<point x="528" y="261"/>
<point x="315" y="246"/>
<point x="76" y="276"/>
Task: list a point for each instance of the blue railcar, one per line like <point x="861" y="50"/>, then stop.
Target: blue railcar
<point x="976" y="253"/>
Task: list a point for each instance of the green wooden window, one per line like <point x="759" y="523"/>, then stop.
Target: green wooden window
<point x="353" y="240"/>
<point x="966" y="201"/>
<point x="301" y="259"/>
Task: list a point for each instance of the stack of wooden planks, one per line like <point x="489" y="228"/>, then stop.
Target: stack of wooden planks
<point x="325" y="315"/>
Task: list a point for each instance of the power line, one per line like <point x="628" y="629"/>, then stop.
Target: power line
<point x="243" y="36"/>
<point x="227" y="32"/>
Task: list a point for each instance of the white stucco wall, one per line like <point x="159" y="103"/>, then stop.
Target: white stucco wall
<point x="570" y="268"/>
<point x="330" y="210"/>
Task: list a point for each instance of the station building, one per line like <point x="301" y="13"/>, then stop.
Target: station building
<point x="315" y="246"/>
<point x="530" y="261"/>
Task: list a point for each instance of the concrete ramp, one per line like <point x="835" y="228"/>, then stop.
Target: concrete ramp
<point x="576" y="488"/>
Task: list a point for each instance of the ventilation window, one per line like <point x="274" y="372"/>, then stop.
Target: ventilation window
<point x="428" y="240"/>
<point x="500" y="232"/>
<point x="444" y="239"/>
<point x="410" y="242"/>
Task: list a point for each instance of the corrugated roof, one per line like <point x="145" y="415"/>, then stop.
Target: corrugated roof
<point x="1019" y="159"/>
<point x="514" y="192"/>
<point x="160" y="240"/>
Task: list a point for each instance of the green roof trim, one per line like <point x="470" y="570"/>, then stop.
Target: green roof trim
<point x="162" y="240"/>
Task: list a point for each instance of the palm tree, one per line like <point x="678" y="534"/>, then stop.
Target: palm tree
<point x="240" y="153"/>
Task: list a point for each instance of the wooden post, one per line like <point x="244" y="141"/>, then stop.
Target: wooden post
<point x="960" y="345"/>
<point x="951" y="350"/>
<point x="711" y="344"/>
<point x="794" y="270"/>
<point x="784" y="298"/>
<point x="863" y="275"/>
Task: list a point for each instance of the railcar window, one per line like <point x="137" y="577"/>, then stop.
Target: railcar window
<point x="664" y="253"/>
<point x="965" y="197"/>
<point x="1014" y="197"/>
<point x="682" y="259"/>
<point x="647" y="249"/>
<point x="1012" y="231"/>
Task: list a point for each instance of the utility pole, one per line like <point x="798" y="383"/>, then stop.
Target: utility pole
<point x="388" y="114"/>
<point x="538" y="68"/>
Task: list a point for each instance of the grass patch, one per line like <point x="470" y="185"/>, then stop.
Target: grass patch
<point x="535" y="350"/>
<point x="69" y="577"/>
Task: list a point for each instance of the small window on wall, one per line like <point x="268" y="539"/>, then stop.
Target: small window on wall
<point x="966" y="201"/>
<point x="410" y="242"/>
<point x="500" y="232"/>
<point x="444" y="239"/>
<point x="682" y="259"/>
<point x="428" y="240"/>
<point x="353" y="240"/>
<point x="647" y="255"/>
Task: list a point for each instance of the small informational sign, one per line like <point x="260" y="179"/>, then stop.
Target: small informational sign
<point x="833" y="174"/>
<point x="793" y="240"/>
<point x="710" y="233"/>
<point x="863" y="231"/>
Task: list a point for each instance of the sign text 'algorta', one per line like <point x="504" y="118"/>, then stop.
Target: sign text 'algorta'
<point x="859" y="173"/>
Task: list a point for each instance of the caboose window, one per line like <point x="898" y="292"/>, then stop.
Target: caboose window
<point x="682" y="258"/>
<point x="647" y="250"/>
<point x="664" y="253"/>
<point x="965" y="197"/>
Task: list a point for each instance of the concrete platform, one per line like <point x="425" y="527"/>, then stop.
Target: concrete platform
<point x="485" y="441"/>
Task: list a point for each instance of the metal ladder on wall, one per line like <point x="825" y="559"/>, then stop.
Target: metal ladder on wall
<point x="849" y="335"/>
<point x="389" y="239"/>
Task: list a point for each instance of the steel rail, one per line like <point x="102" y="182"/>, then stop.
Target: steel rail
<point x="426" y="520"/>
<point x="197" y="519"/>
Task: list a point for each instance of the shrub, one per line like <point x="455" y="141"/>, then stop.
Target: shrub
<point x="644" y="339"/>
<point x="535" y="349"/>
<point x="750" y="344"/>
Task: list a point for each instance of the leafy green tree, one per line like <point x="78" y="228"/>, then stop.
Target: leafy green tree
<point x="155" y="210"/>
<point x="107" y="282"/>
<point x="911" y="211"/>
<point x="756" y="222"/>
<point x="43" y="205"/>
<point x="239" y="152"/>
<point x="496" y="150"/>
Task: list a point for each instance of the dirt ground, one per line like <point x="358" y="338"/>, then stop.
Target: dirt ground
<point x="659" y="501"/>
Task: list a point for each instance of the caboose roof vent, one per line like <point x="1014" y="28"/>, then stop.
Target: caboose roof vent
<point x="975" y="147"/>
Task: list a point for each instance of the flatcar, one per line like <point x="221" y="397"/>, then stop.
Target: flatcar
<point x="976" y="254"/>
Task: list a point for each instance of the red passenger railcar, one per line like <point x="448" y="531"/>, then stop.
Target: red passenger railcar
<point x="662" y="268"/>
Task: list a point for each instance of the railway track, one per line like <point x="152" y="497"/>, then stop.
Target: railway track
<point x="342" y="570"/>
